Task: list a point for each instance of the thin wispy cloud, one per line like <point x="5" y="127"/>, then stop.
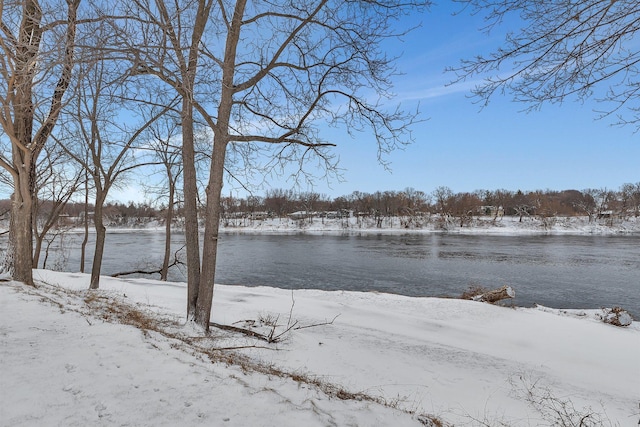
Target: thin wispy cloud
<point x="440" y="90"/>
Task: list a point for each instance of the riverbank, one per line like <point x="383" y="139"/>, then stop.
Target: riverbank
<point x="505" y="225"/>
<point x="69" y="359"/>
<point x="436" y="224"/>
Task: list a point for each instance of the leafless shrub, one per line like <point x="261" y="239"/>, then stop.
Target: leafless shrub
<point x="268" y="319"/>
<point x="547" y="221"/>
<point x="557" y="411"/>
<point x="64" y="251"/>
<point x="431" y="421"/>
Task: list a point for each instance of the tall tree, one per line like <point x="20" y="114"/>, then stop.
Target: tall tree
<point x="278" y="200"/>
<point x="562" y="49"/>
<point x="35" y="78"/>
<point x="287" y="68"/>
<point x="164" y="137"/>
<point x="168" y="44"/>
<point x="271" y="74"/>
<point x="106" y="140"/>
<point x="442" y="197"/>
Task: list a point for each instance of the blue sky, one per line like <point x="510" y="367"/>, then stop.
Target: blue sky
<point x="465" y="148"/>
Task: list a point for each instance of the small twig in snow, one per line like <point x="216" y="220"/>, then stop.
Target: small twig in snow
<point x="293" y="303"/>
<point x="317" y="324"/>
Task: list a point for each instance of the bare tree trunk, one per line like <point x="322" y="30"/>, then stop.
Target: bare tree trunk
<point x="101" y="232"/>
<point x="216" y="173"/>
<point x="46" y="227"/>
<point x="35" y="237"/>
<point x="341" y="67"/>
<point x="37" y="249"/>
<point x="48" y="247"/>
<point x="24" y="52"/>
<point x="83" y="247"/>
<point x="192" y="235"/>
<point x="185" y="86"/>
<point x="212" y="225"/>
<point x="20" y="251"/>
<point x="46" y="254"/>
<point x="24" y="149"/>
<point x="167" y="235"/>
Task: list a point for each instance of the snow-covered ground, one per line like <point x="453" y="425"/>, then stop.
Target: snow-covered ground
<point x="63" y="361"/>
<point x="434" y="223"/>
<point x="507" y="225"/>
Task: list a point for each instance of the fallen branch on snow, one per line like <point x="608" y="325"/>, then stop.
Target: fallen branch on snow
<point x="272" y="337"/>
<point x="176" y="261"/>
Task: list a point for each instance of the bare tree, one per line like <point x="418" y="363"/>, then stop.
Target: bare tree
<point x="442" y="196"/>
<point x="164" y="142"/>
<point x="416" y="199"/>
<point x="35" y="78"/>
<point x="501" y="199"/>
<point x="85" y="221"/>
<point x="106" y="142"/>
<point x="601" y="202"/>
<point x="278" y="201"/>
<point x="57" y="182"/>
<point x="630" y="199"/>
<point x="635" y="199"/>
<point x="307" y="202"/>
<point x="272" y="73"/>
<point x="463" y="206"/>
<point x="286" y="68"/>
<point x="360" y="202"/>
<point x="168" y="44"/>
<point x="586" y="204"/>
<point x="521" y="204"/>
<point x="563" y="50"/>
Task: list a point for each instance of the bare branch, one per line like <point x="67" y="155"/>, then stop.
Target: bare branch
<point x="564" y="50"/>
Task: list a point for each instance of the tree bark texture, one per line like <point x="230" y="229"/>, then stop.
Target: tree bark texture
<point x="216" y="172"/>
<point x="210" y="246"/>
<point x="18" y="125"/>
<point x="20" y="249"/>
<point x="167" y="236"/>
<point x="85" y="238"/>
<point x="192" y="234"/>
<point x="101" y="232"/>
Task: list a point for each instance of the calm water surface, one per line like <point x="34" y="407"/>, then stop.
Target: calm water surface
<point x="557" y="271"/>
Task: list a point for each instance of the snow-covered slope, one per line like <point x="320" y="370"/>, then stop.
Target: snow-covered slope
<point x="430" y="224"/>
<point x="468" y="363"/>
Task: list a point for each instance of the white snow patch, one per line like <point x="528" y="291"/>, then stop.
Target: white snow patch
<point x="460" y="360"/>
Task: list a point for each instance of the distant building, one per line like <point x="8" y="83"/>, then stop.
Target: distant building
<point x="300" y="214"/>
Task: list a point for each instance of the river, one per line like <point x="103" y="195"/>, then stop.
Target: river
<point x="562" y="271"/>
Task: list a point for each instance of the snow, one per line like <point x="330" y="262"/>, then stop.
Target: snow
<point x="507" y="225"/>
<point x="468" y="363"/>
<point x="430" y="223"/>
<point x="65" y="369"/>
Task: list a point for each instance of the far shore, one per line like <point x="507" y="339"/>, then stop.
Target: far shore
<point x="394" y="225"/>
<point x="436" y="224"/>
<point x="480" y="225"/>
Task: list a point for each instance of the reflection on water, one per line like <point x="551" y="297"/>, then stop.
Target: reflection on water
<point x="558" y="271"/>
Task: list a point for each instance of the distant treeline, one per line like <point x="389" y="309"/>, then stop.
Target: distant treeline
<point x="594" y="203"/>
